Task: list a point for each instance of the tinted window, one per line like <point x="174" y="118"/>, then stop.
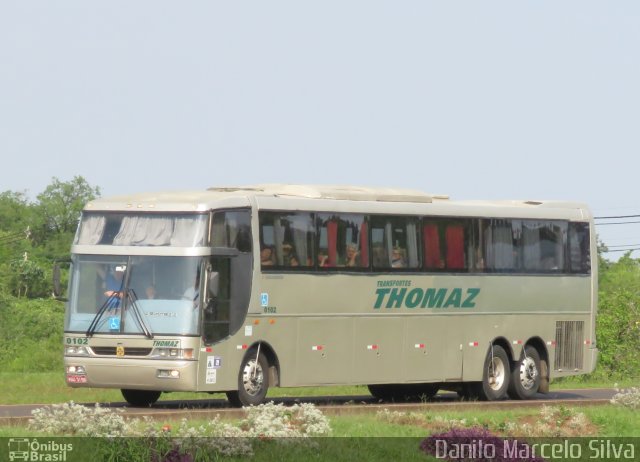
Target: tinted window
<point x="447" y="244"/>
<point x="579" y="248"/>
<point x="529" y="246"/>
<point x="394" y="242"/>
<point x="287" y="239"/>
<point x="232" y="229"/>
<point x="342" y="241"/>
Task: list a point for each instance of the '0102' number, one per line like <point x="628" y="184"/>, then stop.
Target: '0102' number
<point x="77" y="341"/>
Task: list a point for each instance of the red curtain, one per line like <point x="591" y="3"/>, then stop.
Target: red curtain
<point x="431" y="246"/>
<point x="455" y="247"/>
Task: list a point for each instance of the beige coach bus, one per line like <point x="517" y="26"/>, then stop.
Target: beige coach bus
<point x="240" y="289"/>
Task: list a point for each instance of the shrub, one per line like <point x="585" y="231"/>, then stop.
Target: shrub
<point x="31" y="334"/>
<point x="71" y="419"/>
<point x="265" y="422"/>
<point x="476" y="444"/>
<point x="278" y="421"/>
<point x="627" y="397"/>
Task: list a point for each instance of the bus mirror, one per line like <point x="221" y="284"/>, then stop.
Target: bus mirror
<point x="214" y="283"/>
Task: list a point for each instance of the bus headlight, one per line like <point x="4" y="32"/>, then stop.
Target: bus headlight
<point x="75" y="351"/>
<point x="77" y="370"/>
<point x="168" y="374"/>
<point x="172" y="353"/>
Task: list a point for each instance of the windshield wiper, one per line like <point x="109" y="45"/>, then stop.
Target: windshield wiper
<point x="137" y="314"/>
<point x="109" y="303"/>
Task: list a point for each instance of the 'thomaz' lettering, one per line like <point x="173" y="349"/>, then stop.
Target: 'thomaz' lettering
<point x="425" y="298"/>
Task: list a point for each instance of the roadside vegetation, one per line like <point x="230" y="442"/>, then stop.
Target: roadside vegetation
<point x="269" y="431"/>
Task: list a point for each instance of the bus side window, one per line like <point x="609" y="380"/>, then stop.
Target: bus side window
<point x="447" y="244"/>
<point x="579" y="248"/>
<point x="344" y="237"/>
<point x="394" y="243"/>
<point x="232" y="229"/>
<point x="287" y="240"/>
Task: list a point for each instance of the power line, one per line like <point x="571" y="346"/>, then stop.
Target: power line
<point x="617" y="223"/>
<point x="623" y="245"/>
<point x="616" y="216"/>
<point x="621" y="250"/>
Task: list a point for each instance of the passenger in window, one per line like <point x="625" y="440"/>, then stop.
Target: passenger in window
<point x="293" y="261"/>
<point x="113" y="281"/>
<point x="323" y="258"/>
<point x="287" y="253"/>
<point x="150" y="292"/>
<point x="266" y="256"/>
<point x="398" y="258"/>
<point x="193" y="292"/>
<point x="353" y="258"/>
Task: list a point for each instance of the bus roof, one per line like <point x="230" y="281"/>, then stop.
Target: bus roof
<point x="242" y="196"/>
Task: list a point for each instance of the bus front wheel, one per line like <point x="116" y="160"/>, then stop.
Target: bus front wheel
<point x="140" y="398"/>
<point x="525" y="376"/>
<point x="253" y="381"/>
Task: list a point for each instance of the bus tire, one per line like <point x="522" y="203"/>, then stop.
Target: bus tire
<point x="526" y="375"/>
<point x="495" y="376"/>
<point x="253" y="381"/>
<point x="140" y="398"/>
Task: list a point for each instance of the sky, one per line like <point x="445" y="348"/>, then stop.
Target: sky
<point x="474" y="99"/>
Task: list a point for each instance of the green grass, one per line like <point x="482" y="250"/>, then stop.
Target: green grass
<point x="585" y="381"/>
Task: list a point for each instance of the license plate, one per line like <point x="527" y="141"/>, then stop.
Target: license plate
<point x="77" y="378"/>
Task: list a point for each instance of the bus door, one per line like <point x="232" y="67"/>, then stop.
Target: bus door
<point x="230" y="270"/>
<point x="227" y="303"/>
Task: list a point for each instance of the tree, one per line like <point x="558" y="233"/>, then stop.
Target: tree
<point x="61" y="203"/>
<point x="27" y="278"/>
<point x="15" y="212"/>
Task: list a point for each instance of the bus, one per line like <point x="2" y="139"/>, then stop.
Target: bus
<point x="240" y="289"/>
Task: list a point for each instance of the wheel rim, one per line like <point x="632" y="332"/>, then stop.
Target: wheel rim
<point x="496" y="374"/>
<point x="252" y="377"/>
<point x="528" y="373"/>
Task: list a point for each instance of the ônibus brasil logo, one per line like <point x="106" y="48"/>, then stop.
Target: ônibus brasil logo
<point x="34" y="450"/>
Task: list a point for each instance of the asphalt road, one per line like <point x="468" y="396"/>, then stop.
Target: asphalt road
<point x="333" y="405"/>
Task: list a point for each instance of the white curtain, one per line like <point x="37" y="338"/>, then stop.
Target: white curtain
<point x="278" y="235"/>
<point x="91" y="230"/>
<point x="189" y="231"/>
<point x="388" y="238"/>
<point x="412" y="245"/>
<point x="500" y="246"/>
<point x="126" y="232"/>
<point x="301" y="226"/>
<point x="531" y="243"/>
<point x="139" y="230"/>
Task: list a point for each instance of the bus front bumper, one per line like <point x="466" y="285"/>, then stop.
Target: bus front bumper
<point x="138" y="374"/>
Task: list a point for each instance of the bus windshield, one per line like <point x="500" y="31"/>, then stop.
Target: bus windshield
<point x="147" y="295"/>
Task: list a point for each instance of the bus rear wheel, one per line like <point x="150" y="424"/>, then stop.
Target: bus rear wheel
<point x="495" y="376"/>
<point x="140" y="398"/>
<point x="525" y="376"/>
<point x="253" y="381"/>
